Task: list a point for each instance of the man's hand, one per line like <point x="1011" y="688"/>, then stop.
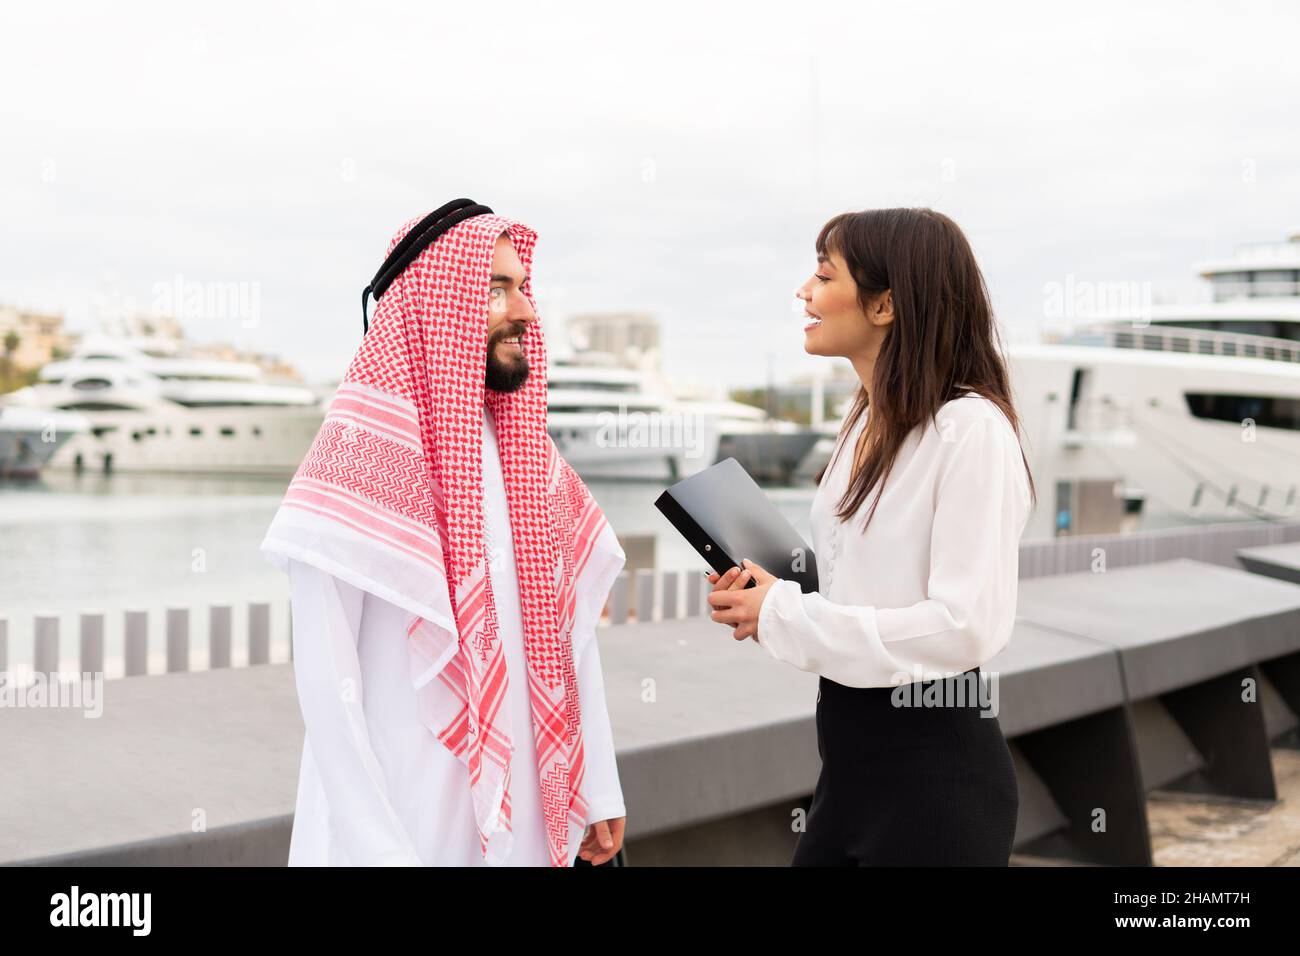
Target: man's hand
<point x="603" y="840"/>
<point x="736" y="604"/>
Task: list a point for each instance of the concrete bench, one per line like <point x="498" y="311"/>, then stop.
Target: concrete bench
<point x="1197" y="644"/>
<point x="1063" y="711"/>
<point x="224" y="746"/>
<point x="1281" y="561"/>
<point x="717" y="743"/>
<point x="1109" y="682"/>
<point x="717" y="749"/>
<point x="186" y="768"/>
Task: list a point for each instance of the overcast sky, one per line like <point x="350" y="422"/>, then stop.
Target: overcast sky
<point x="675" y="158"/>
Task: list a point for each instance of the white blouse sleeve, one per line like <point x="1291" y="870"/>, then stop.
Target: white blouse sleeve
<point x="601" y="785"/>
<point x="326" y="625"/>
<point x="981" y="506"/>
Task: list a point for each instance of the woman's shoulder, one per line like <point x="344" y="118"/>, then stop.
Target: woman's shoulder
<point x="973" y="412"/>
<point x="971" y="408"/>
<point x="992" y="435"/>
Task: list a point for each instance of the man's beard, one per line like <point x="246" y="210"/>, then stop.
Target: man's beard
<point x="508" y="376"/>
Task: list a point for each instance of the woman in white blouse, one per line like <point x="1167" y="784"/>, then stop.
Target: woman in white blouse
<point x="916" y="526"/>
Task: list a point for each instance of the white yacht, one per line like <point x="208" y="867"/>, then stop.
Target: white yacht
<point x="150" y="408"/>
<point x="1194" y="409"/>
<point x="770" y="449"/>
<point x="828" y="433"/>
<point x="609" y="421"/>
<point x="29" y="437"/>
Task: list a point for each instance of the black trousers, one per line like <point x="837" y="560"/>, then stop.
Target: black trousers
<point x="909" y="785"/>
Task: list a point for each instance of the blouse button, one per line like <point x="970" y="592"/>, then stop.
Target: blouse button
<point x="834" y="554"/>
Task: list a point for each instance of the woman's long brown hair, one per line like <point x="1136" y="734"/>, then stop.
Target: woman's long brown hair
<point x="943" y="342"/>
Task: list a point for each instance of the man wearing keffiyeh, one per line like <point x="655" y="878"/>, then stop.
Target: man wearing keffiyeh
<point x="434" y="515"/>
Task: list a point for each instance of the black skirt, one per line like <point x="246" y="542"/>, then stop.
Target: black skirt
<point x="909" y="785"/>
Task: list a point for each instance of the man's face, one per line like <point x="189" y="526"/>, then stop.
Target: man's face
<point x="509" y="313"/>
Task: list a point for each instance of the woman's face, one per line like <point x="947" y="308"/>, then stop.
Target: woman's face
<point x="837" y="324"/>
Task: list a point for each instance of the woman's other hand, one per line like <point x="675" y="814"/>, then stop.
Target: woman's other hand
<point x="736" y="604"/>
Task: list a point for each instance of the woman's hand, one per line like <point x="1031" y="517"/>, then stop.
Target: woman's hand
<point x="736" y="604"/>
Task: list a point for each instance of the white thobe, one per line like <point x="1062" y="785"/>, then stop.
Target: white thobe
<point x="930" y="588"/>
<point x="375" y="786"/>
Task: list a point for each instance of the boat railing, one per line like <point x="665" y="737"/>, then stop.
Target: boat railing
<point x="1230" y="290"/>
<point x="1159" y="338"/>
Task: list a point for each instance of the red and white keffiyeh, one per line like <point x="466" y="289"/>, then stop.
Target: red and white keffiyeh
<point x="390" y="498"/>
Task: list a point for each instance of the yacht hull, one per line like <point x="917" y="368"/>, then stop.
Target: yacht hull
<point x="235" y="440"/>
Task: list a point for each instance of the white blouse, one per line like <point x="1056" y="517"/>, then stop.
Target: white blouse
<point x="375" y="786"/>
<point x="929" y="590"/>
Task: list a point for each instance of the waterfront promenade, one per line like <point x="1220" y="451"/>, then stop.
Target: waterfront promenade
<point x="1164" y="693"/>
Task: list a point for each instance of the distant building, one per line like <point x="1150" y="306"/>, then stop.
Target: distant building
<point x="795" y="400"/>
<point x="41" y="337"/>
<point x="838" y="379"/>
<point x="631" y="337"/>
<point x="274" y="367"/>
<point x="841" y="377"/>
<point x="164" y="336"/>
<point x="140" y="325"/>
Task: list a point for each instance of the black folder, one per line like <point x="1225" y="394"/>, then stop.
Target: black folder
<point x="726" y="517"/>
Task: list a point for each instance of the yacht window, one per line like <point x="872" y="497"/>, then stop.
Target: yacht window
<point x="95" y="407"/>
<point x="1266" y="410"/>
